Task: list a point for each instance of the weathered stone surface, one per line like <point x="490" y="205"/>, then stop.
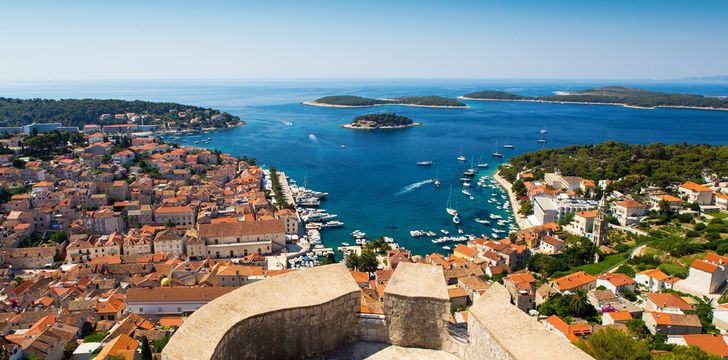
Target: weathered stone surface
<point x="499" y="330"/>
<point x="299" y="314"/>
<point x="416" y="306"/>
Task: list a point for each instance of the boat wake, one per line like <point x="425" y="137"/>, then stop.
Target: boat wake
<point x="313" y="138"/>
<point x="412" y="187"/>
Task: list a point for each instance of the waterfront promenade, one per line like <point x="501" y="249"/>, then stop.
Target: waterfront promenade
<point x="521" y="220"/>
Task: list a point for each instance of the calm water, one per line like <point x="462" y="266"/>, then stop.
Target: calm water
<point x="374" y="184"/>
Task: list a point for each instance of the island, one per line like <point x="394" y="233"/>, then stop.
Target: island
<point x="381" y="121"/>
<point x="612" y="95"/>
<point x="79" y="112"/>
<point x="348" y="101"/>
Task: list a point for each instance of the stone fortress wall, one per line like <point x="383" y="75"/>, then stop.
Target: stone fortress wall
<point x="311" y="312"/>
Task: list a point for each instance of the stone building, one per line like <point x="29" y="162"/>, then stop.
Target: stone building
<point x="601" y="223"/>
<point x="230" y="240"/>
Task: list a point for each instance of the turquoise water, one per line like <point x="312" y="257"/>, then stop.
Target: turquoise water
<point x="372" y="181"/>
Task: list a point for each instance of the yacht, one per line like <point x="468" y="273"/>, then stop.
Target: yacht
<point x="446" y="247"/>
<point x="466" y="184"/>
<point x="425" y="163"/>
<point x="436" y="182"/>
<point x="482" y="165"/>
<point x="445" y="232"/>
<point x="495" y="152"/>
<point x="456" y="219"/>
<point x="417" y="233"/>
<point x="449" y="208"/>
<point x="344" y="244"/>
<point x="466" y="192"/>
<point x="482" y="221"/>
<point x="509" y="146"/>
<point x="461" y="157"/>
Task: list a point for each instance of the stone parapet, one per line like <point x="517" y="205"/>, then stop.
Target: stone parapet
<point x="299" y="314"/>
<point x="417" y="306"/>
<point x="498" y="330"/>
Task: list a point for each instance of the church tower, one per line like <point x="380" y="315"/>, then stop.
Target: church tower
<point x="601" y="223"/>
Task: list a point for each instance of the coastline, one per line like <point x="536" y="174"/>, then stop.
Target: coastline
<point x="522" y="221"/>
<point x="314" y="103"/>
<point x="352" y="126"/>
<point x="598" y="103"/>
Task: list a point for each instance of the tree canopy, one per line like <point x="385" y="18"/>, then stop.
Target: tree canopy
<point x="77" y="112"/>
<point x="637" y="165"/>
<point x="614" y="95"/>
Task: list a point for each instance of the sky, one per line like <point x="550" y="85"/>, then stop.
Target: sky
<point x="486" y="39"/>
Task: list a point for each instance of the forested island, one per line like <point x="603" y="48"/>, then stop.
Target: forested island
<point x="78" y="112"/>
<point x="613" y="95"/>
<point x="381" y="121"/>
<point x="358" y="101"/>
<point x="636" y="165"/>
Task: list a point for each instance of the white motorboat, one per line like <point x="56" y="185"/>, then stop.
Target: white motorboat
<point x="456" y="219"/>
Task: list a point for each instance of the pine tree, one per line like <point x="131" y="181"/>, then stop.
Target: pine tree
<point x="146" y="350"/>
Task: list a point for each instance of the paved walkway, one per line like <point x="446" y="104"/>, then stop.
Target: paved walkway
<point x="379" y="351"/>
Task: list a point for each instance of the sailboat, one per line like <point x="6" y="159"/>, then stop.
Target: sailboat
<point x="542" y="139"/>
<point x="470" y="171"/>
<point x="482" y="164"/>
<point x="423" y="162"/>
<point x="461" y="157"/>
<point x="495" y="152"/>
<point x="507" y="145"/>
<point x="449" y="209"/>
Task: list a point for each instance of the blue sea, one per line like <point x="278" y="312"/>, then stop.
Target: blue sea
<point x="374" y="183"/>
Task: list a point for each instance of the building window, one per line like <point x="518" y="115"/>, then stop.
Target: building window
<point x="179" y="309"/>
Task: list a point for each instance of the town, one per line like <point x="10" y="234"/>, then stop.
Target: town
<point x="112" y="237"/>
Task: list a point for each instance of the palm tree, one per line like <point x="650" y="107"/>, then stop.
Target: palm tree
<point x="578" y="302"/>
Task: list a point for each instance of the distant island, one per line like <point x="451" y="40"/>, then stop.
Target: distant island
<point x="78" y="112"/>
<point x="358" y="101"/>
<point x="381" y="121"/>
<point x="613" y="95"/>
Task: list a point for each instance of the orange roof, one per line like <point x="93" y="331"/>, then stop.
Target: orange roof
<point x="457" y="292"/>
<point x="587" y="214"/>
<point x="663" y="300"/>
<point x="655" y="274"/>
<point x="620" y="315"/>
<point x="111" y="306"/>
<point x="711" y="343"/>
<point x="587" y="183"/>
<point x="662" y="318"/>
<point x="617" y="279"/>
<point x="715" y="259"/>
<point x="573" y="281"/>
<point x="695" y="187"/>
<point x="703" y="266"/>
<point x="171" y="321"/>
<point x="668" y="198"/>
<point x="572" y="332"/>
<point x="122" y="346"/>
<point x="174" y="209"/>
<point x="360" y="277"/>
<point x="466" y="251"/>
<point x="630" y="204"/>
